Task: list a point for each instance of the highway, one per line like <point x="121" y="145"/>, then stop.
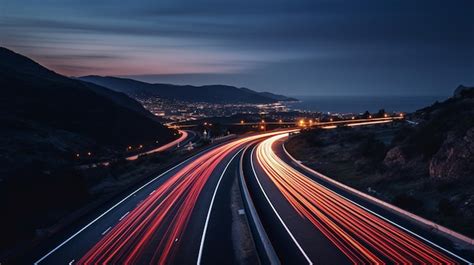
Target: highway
<point x="164" y="221"/>
<point x="310" y="220"/>
<point x="184" y="138"/>
<point x="188" y="215"/>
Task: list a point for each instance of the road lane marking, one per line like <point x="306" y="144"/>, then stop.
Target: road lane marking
<point x="106" y="230"/>
<point x="275" y="211"/>
<point x="203" y="238"/>
<point x="71" y="262"/>
<point x="372" y="212"/>
<point x="118" y="203"/>
<point x="152" y="192"/>
<point x="123" y="216"/>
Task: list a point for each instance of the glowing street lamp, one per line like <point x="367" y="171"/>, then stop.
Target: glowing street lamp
<point x="242" y="122"/>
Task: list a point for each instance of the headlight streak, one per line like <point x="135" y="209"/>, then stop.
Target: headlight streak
<point x="165" y="212"/>
<point x="361" y="236"/>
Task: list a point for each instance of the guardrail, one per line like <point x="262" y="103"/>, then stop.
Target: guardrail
<point x="264" y="247"/>
<point x="386" y="205"/>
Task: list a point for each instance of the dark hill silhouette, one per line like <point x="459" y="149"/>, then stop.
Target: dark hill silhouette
<point x="45" y="120"/>
<point x="31" y="92"/>
<point x="208" y="93"/>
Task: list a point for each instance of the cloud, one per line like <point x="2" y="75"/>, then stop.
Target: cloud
<point x="244" y="38"/>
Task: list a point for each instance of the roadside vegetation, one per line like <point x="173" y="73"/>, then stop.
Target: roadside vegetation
<point x="427" y="169"/>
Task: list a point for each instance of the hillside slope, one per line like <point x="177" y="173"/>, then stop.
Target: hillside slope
<point x="427" y="168"/>
<point x="32" y="93"/>
<point x="46" y="120"/>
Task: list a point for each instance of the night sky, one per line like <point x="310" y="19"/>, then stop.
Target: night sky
<point x="293" y="47"/>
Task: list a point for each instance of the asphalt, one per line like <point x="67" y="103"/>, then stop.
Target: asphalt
<point x="299" y="242"/>
<point x="294" y="238"/>
<point x="302" y="244"/>
<point x="75" y="245"/>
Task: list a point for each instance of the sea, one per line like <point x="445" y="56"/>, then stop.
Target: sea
<point x="359" y="104"/>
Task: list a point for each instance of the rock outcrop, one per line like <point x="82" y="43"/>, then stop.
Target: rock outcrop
<point x="455" y="158"/>
<point x="395" y="157"/>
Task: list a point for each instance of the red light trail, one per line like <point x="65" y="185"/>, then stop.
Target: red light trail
<point x="360" y="235"/>
<point x="152" y="232"/>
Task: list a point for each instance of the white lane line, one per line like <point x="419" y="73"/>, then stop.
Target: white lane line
<point x="117" y="204"/>
<point x="203" y="238"/>
<point x="152" y="192"/>
<point x="106" y="230"/>
<point x="275" y="211"/>
<point x="384" y="218"/>
<point x="71" y="262"/>
<point x="123" y="216"/>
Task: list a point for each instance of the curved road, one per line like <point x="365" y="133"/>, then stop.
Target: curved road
<point x="164" y="221"/>
<point x="310" y="220"/>
<point x="186" y="215"/>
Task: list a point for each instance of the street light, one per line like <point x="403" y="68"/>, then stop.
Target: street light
<point x="242" y="122"/>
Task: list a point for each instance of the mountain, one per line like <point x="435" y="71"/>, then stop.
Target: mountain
<point x="208" y="93"/>
<point x="277" y="97"/>
<point x="41" y="110"/>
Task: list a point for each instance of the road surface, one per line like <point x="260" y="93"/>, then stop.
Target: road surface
<point x="186" y="216"/>
<point x="309" y="220"/>
<point x="164" y="221"/>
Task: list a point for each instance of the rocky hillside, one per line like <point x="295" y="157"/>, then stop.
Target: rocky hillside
<point x="444" y="138"/>
<point x="427" y="168"/>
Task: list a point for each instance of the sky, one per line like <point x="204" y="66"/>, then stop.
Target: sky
<point x="292" y="47"/>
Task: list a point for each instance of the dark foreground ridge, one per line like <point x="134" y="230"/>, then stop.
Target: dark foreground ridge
<point x="48" y="123"/>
